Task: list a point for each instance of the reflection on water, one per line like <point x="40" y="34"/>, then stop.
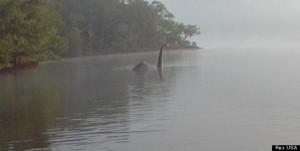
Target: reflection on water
<point x="202" y="100"/>
<point x="29" y="106"/>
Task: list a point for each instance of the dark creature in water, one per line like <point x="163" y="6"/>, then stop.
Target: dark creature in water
<point x="144" y="66"/>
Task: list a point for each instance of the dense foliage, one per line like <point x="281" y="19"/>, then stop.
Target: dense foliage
<point x="32" y="30"/>
<point x="104" y="26"/>
<point x="29" y="32"/>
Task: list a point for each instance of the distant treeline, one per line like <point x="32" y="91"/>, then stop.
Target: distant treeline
<point x="36" y="30"/>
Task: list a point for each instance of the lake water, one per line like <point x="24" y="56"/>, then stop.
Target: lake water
<point x="210" y="99"/>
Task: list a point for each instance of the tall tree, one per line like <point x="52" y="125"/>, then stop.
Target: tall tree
<point x="29" y="31"/>
<point x="103" y="26"/>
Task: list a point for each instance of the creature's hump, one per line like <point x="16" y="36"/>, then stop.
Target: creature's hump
<point x="142" y="66"/>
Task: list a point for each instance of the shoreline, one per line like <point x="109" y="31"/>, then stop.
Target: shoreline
<point x="35" y="65"/>
<point x="113" y="52"/>
<point x="27" y="66"/>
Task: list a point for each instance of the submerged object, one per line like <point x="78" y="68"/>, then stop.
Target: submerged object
<point x="144" y="66"/>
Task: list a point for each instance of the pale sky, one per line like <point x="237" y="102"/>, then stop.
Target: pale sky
<point x="240" y="22"/>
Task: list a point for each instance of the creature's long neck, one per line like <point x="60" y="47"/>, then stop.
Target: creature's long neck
<point x="160" y="58"/>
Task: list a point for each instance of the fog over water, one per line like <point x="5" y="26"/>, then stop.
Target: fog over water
<point x="217" y="98"/>
<point x="242" y="23"/>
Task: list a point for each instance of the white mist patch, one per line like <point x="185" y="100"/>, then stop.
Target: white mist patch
<point x="255" y="23"/>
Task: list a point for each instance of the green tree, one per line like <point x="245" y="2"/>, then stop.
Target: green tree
<point x="29" y="31"/>
<point x="76" y="41"/>
<point x="104" y="26"/>
<point x="190" y="30"/>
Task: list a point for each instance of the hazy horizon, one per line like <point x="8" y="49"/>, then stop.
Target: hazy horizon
<point x="255" y="23"/>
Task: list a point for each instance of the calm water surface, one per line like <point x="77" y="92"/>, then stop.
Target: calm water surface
<point x="211" y="99"/>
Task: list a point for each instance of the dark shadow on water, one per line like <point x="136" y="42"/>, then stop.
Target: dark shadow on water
<point x="20" y="68"/>
<point x="147" y="72"/>
<point x="29" y="106"/>
<point x="74" y="102"/>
